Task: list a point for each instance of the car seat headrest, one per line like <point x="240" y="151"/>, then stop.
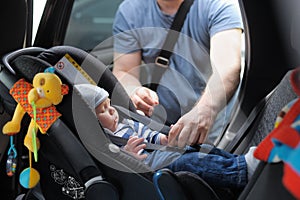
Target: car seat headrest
<point x="27" y="62"/>
<point x="26" y="66"/>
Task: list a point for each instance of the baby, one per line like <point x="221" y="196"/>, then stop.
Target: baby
<point x="108" y="116"/>
<point x="217" y="167"/>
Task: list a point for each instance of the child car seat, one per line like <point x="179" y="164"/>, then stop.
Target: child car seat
<point x="72" y="166"/>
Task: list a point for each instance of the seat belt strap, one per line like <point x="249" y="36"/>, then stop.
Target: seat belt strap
<point x="174" y="31"/>
<point x="162" y="60"/>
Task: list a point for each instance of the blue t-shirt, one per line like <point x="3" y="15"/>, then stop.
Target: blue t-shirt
<point x="141" y="26"/>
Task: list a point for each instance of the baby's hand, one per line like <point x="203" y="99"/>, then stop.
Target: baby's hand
<point x="163" y="139"/>
<point x="135" y="146"/>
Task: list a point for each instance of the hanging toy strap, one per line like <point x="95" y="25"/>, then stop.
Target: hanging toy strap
<point x="34" y="132"/>
<point x="11" y="163"/>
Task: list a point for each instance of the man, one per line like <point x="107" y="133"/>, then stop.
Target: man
<point x="204" y="70"/>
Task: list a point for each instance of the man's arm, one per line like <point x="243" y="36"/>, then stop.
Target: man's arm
<point x="225" y="56"/>
<point x="127" y="70"/>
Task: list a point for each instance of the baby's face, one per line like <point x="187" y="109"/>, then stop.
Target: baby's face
<point x="107" y="115"/>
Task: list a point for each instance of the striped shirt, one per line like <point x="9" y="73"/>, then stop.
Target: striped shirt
<point x="130" y="127"/>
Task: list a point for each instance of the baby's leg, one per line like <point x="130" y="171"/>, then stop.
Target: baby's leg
<point x="251" y="161"/>
<point x="218" y="168"/>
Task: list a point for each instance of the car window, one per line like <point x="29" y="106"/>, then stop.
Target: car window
<point x="90" y="23"/>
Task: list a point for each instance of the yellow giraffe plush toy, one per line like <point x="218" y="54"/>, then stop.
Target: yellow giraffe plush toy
<point x="38" y="100"/>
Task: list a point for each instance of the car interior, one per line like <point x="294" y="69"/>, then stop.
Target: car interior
<point x="70" y="165"/>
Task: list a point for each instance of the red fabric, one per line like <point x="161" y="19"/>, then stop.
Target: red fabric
<point x="295" y="80"/>
<point x="291" y="180"/>
<point x="284" y="133"/>
<point x="262" y="152"/>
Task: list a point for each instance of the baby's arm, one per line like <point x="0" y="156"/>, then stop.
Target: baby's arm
<point x="134" y="146"/>
<point x="151" y="136"/>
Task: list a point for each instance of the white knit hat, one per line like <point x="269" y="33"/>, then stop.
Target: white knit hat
<point x="91" y="94"/>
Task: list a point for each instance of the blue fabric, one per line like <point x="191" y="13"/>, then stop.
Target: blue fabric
<point x="218" y="168"/>
<point x="279" y="152"/>
<point x="293" y="160"/>
<point x="140" y="26"/>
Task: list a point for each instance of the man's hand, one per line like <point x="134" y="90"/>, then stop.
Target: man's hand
<point x="192" y="128"/>
<point x="144" y="99"/>
<point x="134" y="146"/>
